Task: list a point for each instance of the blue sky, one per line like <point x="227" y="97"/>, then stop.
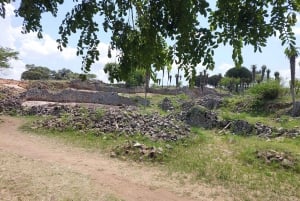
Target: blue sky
<point x="44" y="51"/>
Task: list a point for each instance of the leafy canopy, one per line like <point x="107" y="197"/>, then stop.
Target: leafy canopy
<point x="7" y="54"/>
<point x="140" y="28"/>
<point x="136" y="78"/>
<point x="34" y="72"/>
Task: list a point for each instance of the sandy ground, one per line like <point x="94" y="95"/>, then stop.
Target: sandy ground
<point x="39" y="168"/>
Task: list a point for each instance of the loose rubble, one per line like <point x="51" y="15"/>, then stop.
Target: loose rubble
<point x="121" y="121"/>
<point x="166" y="105"/>
<point x="138" y="151"/>
<point x="285" y="159"/>
<point x="174" y="126"/>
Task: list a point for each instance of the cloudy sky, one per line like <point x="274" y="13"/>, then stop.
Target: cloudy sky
<point x="44" y="52"/>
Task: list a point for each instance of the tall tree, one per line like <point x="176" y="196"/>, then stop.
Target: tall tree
<point x="6" y="54"/>
<point x="34" y="72"/>
<point x="241" y="73"/>
<point x="236" y="22"/>
<point x="292" y="54"/>
<point x="253" y="72"/>
<point x="277" y="76"/>
<point x="263" y="72"/>
<point x="163" y="75"/>
<point x="268" y="74"/>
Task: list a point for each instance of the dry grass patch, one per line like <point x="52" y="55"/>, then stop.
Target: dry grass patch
<point x="26" y="179"/>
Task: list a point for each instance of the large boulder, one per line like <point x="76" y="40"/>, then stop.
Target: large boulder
<point x="199" y="116"/>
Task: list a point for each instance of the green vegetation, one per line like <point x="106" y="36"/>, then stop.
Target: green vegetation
<point x="140" y="29"/>
<point x="34" y="72"/>
<point x="227" y="160"/>
<point x="6" y="54"/>
<point x="269" y="90"/>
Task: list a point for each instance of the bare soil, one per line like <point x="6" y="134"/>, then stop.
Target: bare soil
<point x="41" y="168"/>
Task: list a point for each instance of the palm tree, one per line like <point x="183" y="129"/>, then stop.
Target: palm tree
<point x="292" y="53"/>
<point x="163" y="75"/>
<point x="268" y="74"/>
<point x="169" y="67"/>
<point x="263" y="70"/>
<point x="253" y="72"/>
<point x="276" y="74"/>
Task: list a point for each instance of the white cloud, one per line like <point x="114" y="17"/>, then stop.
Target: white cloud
<point x="42" y="52"/>
<point x="222" y="68"/>
<point x="15" y="72"/>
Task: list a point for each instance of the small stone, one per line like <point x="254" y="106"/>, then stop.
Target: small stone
<point x="137" y="145"/>
<point x="113" y="154"/>
<point x="287" y="163"/>
<point x="169" y="146"/>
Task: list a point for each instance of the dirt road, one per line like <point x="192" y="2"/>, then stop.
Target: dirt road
<point x="39" y="168"/>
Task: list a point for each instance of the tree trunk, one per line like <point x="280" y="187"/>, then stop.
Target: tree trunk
<point x="293" y="66"/>
<point x="147" y="83"/>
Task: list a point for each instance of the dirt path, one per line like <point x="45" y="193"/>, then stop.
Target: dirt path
<point x="94" y="175"/>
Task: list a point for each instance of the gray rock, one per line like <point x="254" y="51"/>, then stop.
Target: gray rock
<point x="210" y="101"/>
<point x="166" y="104"/>
<point x="241" y="127"/>
<point x="201" y="117"/>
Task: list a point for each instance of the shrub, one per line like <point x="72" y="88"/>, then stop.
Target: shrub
<point x="267" y="90"/>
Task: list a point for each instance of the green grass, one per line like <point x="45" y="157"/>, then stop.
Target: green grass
<point x="222" y="160"/>
<point x="283" y="121"/>
<point x="225" y="160"/>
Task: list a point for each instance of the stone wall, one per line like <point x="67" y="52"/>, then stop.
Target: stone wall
<point x="119" y="88"/>
<point x="69" y="95"/>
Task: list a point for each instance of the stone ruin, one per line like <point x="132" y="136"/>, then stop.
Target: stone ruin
<point x="195" y="113"/>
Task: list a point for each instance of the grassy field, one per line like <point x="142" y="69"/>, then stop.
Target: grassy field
<point x="227" y="160"/>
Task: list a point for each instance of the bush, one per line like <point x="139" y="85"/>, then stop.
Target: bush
<point x="267" y="90"/>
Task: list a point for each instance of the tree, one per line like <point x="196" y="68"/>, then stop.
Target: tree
<point x="34" y="72"/>
<point x="136" y="25"/>
<point x="7" y="54"/>
<point x="263" y="71"/>
<point x="65" y="74"/>
<point x="136" y="78"/>
<point x="292" y="53"/>
<point x="37" y="73"/>
<point x="253" y="72"/>
<point x="268" y="74"/>
<point x="113" y="70"/>
<point x="277" y="76"/>
<point x="241" y="73"/>
<point x="162" y="79"/>
<point x="214" y="80"/>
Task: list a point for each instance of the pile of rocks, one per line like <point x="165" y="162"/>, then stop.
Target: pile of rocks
<point x="10" y="102"/>
<point x="283" y="158"/>
<point x="122" y="121"/>
<point x="241" y="127"/>
<point x="54" y="109"/>
<point x="210" y="101"/>
<point x="201" y="117"/>
<point x="166" y="105"/>
<point x="137" y="151"/>
<point x="262" y="130"/>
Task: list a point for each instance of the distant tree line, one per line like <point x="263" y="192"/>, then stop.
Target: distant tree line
<point x="34" y="72"/>
<point x="236" y="78"/>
